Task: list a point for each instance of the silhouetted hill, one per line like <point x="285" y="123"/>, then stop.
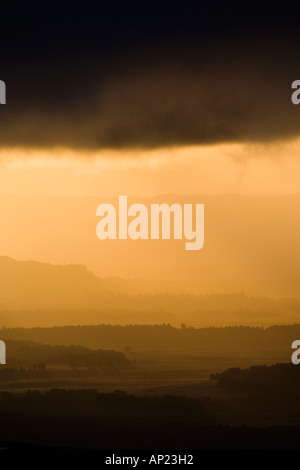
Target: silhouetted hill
<point x="26" y="353"/>
<point x="262" y="394"/>
<point x="29" y="284"/>
<point x="276" y="380"/>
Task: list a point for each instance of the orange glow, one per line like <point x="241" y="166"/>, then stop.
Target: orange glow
<point x="49" y="200"/>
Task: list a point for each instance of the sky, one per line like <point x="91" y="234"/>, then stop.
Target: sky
<point x="252" y="169"/>
<point x="148" y="75"/>
<point x="149" y="99"/>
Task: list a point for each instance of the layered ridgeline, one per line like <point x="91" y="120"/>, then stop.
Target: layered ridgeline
<point x="40" y="294"/>
<point x="27" y="353"/>
<point x="30" y="360"/>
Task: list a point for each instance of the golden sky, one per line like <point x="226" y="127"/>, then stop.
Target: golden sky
<point x="49" y="200"/>
<point x="253" y="169"/>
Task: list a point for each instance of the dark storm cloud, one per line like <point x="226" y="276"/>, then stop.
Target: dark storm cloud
<point x="145" y="77"/>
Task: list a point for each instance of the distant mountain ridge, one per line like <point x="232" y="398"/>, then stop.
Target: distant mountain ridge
<point x="31" y="284"/>
<point x="42" y="294"/>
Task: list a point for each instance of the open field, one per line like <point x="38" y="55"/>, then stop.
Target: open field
<point x="152" y="372"/>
